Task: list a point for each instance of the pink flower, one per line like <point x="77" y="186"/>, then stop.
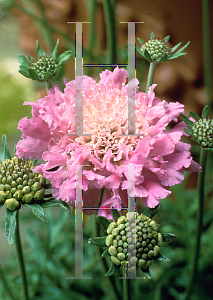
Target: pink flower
<point x="158" y="155"/>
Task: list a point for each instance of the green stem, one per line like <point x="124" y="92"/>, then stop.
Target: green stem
<point x="201" y="182"/>
<point x="126" y="288"/>
<point x="207" y="53"/>
<point x="48" y="84"/>
<point x="98" y="233"/>
<point x="21" y="259"/>
<point x="109" y="13"/>
<point x="151" y="73"/>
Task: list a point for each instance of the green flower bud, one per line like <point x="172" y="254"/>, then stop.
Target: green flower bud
<point x="12" y="203"/>
<point x="27" y="198"/>
<point x="39" y="195"/>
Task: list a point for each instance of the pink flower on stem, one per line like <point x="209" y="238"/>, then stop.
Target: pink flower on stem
<point x="159" y="157"/>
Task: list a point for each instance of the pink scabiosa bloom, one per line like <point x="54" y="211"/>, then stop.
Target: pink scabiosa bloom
<point x="159" y="157"/>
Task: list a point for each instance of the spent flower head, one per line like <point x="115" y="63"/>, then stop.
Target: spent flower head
<point x="157" y="50"/>
<point x="158" y="155"/>
<point x="45" y="66"/>
<point x="133" y="241"/>
<point x="201" y="130"/>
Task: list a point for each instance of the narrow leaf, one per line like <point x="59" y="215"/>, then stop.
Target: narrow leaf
<point x="24" y="73"/>
<point x="31" y="59"/>
<point x="115" y="213"/>
<point x="59" y="203"/>
<point x="39" y="50"/>
<point x="160" y="258"/>
<point x="194" y="115"/>
<point x="98" y="241"/>
<point x="187" y="130"/>
<point x="4" y="154"/>
<point x="105" y="254"/>
<point x="23" y="61"/>
<point x="10" y="225"/>
<point x="140" y="41"/>
<point x="150" y="212"/>
<point x="37" y="210"/>
<point x="55" y="51"/>
<point x="147" y="56"/>
<point x="166" y="39"/>
<point x="113" y="268"/>
<point x="205" y="112"/>
<point x="175" y="47"/>
<point x="167" y="237"/>
<point x="33" y="75"/>
<point x="139" y="51"/>
<point x="104" y="222"/>
<point x="187" y="121"/>
<point x="64" y="56"/>
<point x="152" y="36"/>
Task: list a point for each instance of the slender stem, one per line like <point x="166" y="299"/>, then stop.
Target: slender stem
<point x="21" y="259"/>
<point x="151" y="73"/>
<point x="207" y="53"/>
<point x="109" y="13"/>
<point x="201" y="181"/>
<point x="48" y="84"/>
<point x="98" y="233"/>
<point x="126" y="288"/>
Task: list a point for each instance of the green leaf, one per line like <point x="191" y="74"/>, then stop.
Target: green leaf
<point x="59" y="203"/>
<point x="166" y="39"/>
<point x="187" y="121"/>
<point x="33" y="75"/>
<point x="205" y="112"/>
<point x="167" y="237"/>
<point x="23" y="61"/>
<point x="187" y="130"/>
<point x="160" y="258"/>
<point x="147" y="55"/>
<point x="98" y="241"/>
<point x="31" y="59"/>
<point x="104" y="222"/>
<point x="64" y="56"/>
<point x="39" y="50"/>
<point x="175" y="47"/>
<point x="147" y="273"/>
<point x="55" y="51"/>
<point x="163" y="58"/>
<point x="139" y="51"/>
<point x="150" y="212"/>
<point x="115" y="213"/>
<point x="24" y="73"/>
<point x="194" y="115"/>
<point x="112" y="270"/>
<point x="105" y="254"/>
<point x="10" y="225"/>
<point x="140" y="41"/>
<point x="37" y="210"/>
<point x="4" y="154"/>
<point x="46" y="75"/>
<point x="152" y="36"/>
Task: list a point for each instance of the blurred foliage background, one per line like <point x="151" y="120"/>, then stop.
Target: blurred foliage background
<point x="49" y="249"/>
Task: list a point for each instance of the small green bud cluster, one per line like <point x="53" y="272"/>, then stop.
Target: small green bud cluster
<point x="157" y="49"/>
<point x="202" y="132"/>
<point x="19" y="184"/>
<point x="133" y="239"/>
<point x="43" y="65"/>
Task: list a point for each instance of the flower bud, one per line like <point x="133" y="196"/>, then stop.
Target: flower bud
<point x="12" y="203"/>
